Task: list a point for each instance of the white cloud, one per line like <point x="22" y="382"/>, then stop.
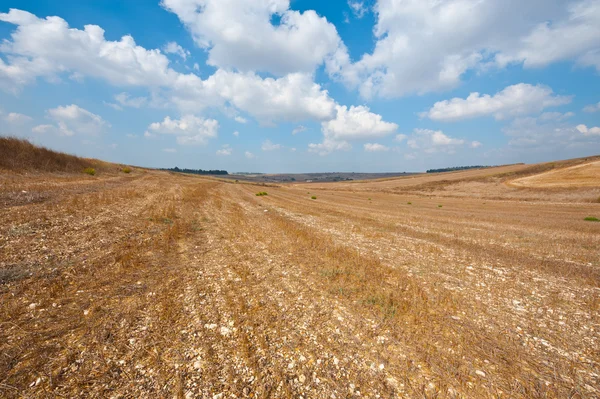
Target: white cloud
<point x="170" y="150"/>
<point x="592" y="108"/>
<point x="293" y="97"/>
<point x="357" y="122"/>
<point x="557" y="137"/>
<point x="556" y="116"/>
<point x="16" y="118"/>
<point x="126" y="100"/>
<point x="267" y="145"/>
<point x="475" y="144"/>
<point x="47" y="48"/>
<point x="249" y="155"/>
<point x="358" y="8"/>
<point x="514" y="100"/>
<point x="299" y="129"/>
<point x="354" y="123"/>
<point x="239" y="34"/>
<point x="592" y="131"/>
<point x="419" y="48"/>
<point x="189" y="129"/>
<point x="240" y="119"/>
<point x="42" y="129"/>
<point x="328" y="145"/>
<point x="574" y="37"/>
<point x="375" y="147"/>
<point x="174" y="48"/>
<point x="225" y="151"/>
<point x="433" y="141"/>
<point x="236" y="133"/>
<point x="114" y="106"/>
<point x="72" y="119"/>
<point x="400" y="137"/>
<point x="196" y="66"/>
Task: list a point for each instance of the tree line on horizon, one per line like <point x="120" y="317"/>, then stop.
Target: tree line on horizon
<point x="455" y="168"/>
<point x="197" y="171"/>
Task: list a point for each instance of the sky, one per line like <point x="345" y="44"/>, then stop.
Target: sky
<point x="280" y="86"/>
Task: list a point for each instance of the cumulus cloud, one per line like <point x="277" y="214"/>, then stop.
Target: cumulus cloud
<point x="226" y="150"/>
<point x="293" y="97"/>
<point x="357" y="122"/>
<point x="354" y="123"/>
<point x="174" y="48"/>
<point x="419" y="49"/>
<point x="358" y="8"/>
<point x="72" y="119"/>
<point x="240" y="34"/>
<point x="47" y="47"/>
<point x="240" y="119"/>
<point x="433" y="141"/>
<point x="375" y="147"/>
<point x="41" y="129"/>
<point x="328" y="146"/>
<point x="249" y="155"/>
<point x="189" y="129"/>
<point x="400" y="137"/>
<point x="16" y="118"/>
<point x="267" y="145"/>
<point x="514" y="100"/>
<point x="592" y="131"/>
<point x="236" y="133"/>
<point x="299" y="129"/>
<point x="553" y="137"/>
<point x="127" y="101"/>
<point x="592" y="108"/>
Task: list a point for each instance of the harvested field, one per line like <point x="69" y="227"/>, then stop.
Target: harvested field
<point x="152" y="284"/>
<point x="587" y="175"/>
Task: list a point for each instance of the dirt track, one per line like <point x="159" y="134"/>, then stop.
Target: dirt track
<point x="159" y="285"/>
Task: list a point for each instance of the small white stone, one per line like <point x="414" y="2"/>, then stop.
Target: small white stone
<point x="336" y="361"/>
<point x="302" y="378"/>
<point x="225" y="331"/>
<point x="32" y="306"/>
<point x="381" y="366"/>
<point x="86" y="312"/>
<point x="480" y="373"/>
<point x="291" y="365"/>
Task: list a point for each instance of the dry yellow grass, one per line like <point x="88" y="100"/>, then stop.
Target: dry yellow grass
<point x="163" y="285"/>
<point x="583" y="175"/>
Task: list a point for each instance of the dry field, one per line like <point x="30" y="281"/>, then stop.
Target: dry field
<point x="151" y="285"/>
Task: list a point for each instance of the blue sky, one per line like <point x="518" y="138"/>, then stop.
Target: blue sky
<point x="304" y="86"/>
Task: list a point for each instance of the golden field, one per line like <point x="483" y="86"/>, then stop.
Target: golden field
<point x="473" y="284"/>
